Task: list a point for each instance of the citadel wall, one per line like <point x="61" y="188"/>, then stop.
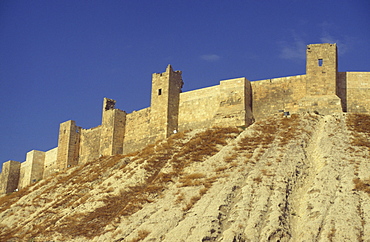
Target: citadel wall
<point x="137" y="129"/>
<point x="357" y="91"/>
<point x="9" y="176"/>
<point x="89" y="144"/>
<point x="206" y="100"/>
<point x="32" y="169"/>
<point x="234" y="102"/>
<point x="50" y="162"/>
<point x="277" y="95"/>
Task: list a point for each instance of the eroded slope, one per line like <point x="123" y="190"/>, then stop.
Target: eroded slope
<point x="302" y="178"/>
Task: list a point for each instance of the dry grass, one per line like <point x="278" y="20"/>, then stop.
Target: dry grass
<point x="176" y="153"/>
<point x="362" y="185"/>
<point x="141" y="235"/>
<point x="257" y="179"/>
<point x="331" y="234"/>
<point x="221" y="168"/>
<point x="173" y="152"/>
<point x="359" y="124"/>
<point x="231" y="158"/>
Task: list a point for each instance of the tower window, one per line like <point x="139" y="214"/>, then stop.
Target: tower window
<point x="320" y="62"/>
<point x="159" y="92"/>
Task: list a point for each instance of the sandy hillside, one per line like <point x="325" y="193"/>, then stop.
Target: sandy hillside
<point x="302" y="178"/>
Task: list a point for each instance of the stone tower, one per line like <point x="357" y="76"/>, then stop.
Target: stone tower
<point x="164" y="107"/>
<point x="321" y="69"/>
<point x="9" y="176"/>
<point x="68" y="145"/>
<point x="112" y="129"/>
<point x="321" y="80"/>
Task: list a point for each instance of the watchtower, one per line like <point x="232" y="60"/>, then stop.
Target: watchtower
<point x="164" y="107"/>
<point x="9" y="176"/>
<point x="68" y="144"/>
<point x="112" y="128"/>
<point x="321" y="69"/>
<point x="321" y="80"/>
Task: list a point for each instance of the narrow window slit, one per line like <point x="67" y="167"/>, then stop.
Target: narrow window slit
<point x="320" y="62"/>
<point x="159" y="92"/>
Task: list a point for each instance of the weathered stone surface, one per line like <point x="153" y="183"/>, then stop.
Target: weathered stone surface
<point x="9" y="176"/>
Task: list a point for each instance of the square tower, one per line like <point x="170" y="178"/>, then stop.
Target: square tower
<point x="164" y="107"/>
<point x="68" y="145"/>
<point x="321" y="80"/>
<point x="321" y="69"/>
<point x="9" y="176"/>
<point x="32" y="169"/>
<point x="112" y="128"/>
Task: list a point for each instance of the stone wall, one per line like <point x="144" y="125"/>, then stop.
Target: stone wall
<point x="68" y="144"/>
<point x="32" y="169"/>
<point x="206" y="101"/>
<point x="89" y="144"/>
<point x="277" y="95"/>
<point x="227" y="104"/>
<point x="136" y="131"/>
<point x="112" y="129"/>
<point x="358" y="91"/>
<point x="50" y="163"/>
<point x="234" y="102"/>
<point x="9" y="176"/>
<point x="321" y="69"/>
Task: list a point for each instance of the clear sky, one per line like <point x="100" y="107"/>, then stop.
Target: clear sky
<point x="59" y="59"/>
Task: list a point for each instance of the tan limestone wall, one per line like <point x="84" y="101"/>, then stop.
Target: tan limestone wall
<point x="23" y="182"/>
<point x="321" y="75"/>
<point x="112" y="132"/>
<point x="89" y="144"/>
<point x="9" y="176"/>
<point x="68" y="144"/>
<point x="32" y="169"/>
<point x="272" y="95"/>
<point x="358" y="92"/>
<point x="50" y="162"/>
<point x="136" y="130"/>
<point x="164" y="104"/>
<point x="235" y="102"/>
<point x="197" y="108"/>
<point x="342" y="89"/>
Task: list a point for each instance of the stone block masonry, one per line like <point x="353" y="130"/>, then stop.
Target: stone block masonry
<point x="234" y="102"/>
<point x="9" y="176"/>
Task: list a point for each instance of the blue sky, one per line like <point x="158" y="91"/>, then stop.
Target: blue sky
<point x="59" y="59"/>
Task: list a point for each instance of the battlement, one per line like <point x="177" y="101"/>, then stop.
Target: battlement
<point x="234" y="102"/>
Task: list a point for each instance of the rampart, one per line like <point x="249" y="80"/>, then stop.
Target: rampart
<point x="234" y="102"/>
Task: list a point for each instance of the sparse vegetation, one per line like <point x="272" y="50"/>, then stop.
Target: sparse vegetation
<point x="359" y="124"/>
<point x="362" y="185"/>
<point x="141" y="234"/>
<point x="175" y="153"/>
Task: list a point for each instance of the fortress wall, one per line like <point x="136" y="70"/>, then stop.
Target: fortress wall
<point x="112" y="132"/>
<point x="272" y="95"/>
<point x="342" y="89"/>
<point x="89" y="144"/>
<point x="9" y="176"/>
<point x="358" y="91"/>
<point x="32" y="169"/>
<point x="50" y="162"/>
<point x="22" y="181"/>
<point x="197" y="108"/>
<point x="234" y="103"/>
<point x="136" y="130"/>
<point x="37" y="160"/>
<point x="68" y="144"/>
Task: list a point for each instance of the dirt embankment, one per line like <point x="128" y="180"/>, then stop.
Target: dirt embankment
<point x="302" y="178"/>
